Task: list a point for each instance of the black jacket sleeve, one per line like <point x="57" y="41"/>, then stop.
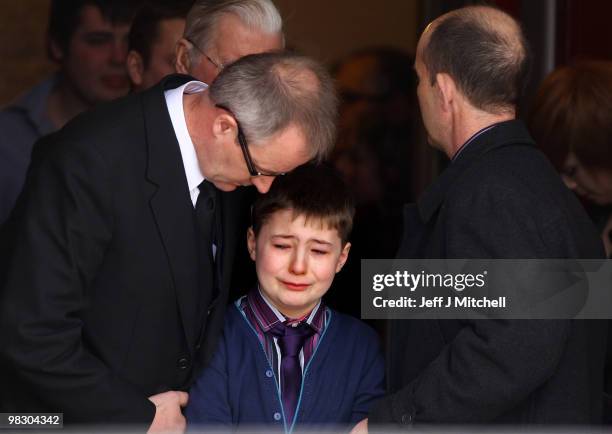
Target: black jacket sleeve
<point x="65" y="226"/>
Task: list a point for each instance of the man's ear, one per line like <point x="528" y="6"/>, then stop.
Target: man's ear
<point x="224" y="126"/>
<point x="447" y="88"/>
<point x="343" y="257"/>
<point x="182" y="62"/>
<point x="135" y="67"/>
<point x="251" y="243"/>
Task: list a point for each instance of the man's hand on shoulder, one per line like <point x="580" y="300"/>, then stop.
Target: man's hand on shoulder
<point x="168" y="415"/>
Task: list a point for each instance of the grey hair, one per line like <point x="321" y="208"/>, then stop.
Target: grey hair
<point x="268" y="92"/>
<point x="204" y="16"/>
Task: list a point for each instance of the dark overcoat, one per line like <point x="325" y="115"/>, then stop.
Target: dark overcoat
<point x="500" y="198"/>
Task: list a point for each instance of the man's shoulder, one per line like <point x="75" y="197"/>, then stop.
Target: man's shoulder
<point x="514" y="179"/>
<point x="515" y="193"/>
<point x="24" y="119"/>
<point x="33" y="98"/>
<point x="107" y="117"/>
<point x="11" y="114"/>
<point x="514" y="170"/>
<point x="112" y="129"/>
<point x="18" y="129"/>
<point x="512" y="158"/>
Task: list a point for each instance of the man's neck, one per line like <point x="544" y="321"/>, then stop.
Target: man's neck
<point x="64" y="103"/>
<point x="471" y="123"/>
<point x="196" y="107"/>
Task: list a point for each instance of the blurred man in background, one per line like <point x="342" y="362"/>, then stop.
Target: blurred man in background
<point x="88" y="41"/>
<point x="570" y="119"/>
<point x="219" y="32"/>
<point x="155" y="31"/>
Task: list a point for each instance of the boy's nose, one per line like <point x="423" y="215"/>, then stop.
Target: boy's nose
<point x="298" y="263"/>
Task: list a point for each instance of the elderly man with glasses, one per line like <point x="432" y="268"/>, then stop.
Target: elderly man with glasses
<point x="219" y="32"/>
<point x="123" y="250"/>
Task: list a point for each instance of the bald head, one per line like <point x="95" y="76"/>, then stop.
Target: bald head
<point x="483" y="50"/>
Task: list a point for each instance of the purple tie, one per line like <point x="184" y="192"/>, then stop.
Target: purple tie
<point x="290" y="341"/>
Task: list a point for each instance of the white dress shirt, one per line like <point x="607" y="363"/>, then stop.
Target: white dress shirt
<point x="174" y="101"/>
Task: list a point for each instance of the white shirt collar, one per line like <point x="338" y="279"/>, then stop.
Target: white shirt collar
<point x="174" y="101"/>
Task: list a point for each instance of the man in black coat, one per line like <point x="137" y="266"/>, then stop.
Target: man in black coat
<point x="499" y="198"/>
<point x="123" y="249"/>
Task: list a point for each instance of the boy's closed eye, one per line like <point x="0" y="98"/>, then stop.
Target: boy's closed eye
<point x="281" y="246"/>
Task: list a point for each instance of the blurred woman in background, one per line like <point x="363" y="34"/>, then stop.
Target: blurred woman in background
<point x="572" y="121"/>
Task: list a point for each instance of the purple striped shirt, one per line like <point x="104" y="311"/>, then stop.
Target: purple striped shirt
<point x="263" y="318"/>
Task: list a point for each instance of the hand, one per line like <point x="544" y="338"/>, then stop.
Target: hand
<point x="168" y="415"/>
<point x="360" y="428"/>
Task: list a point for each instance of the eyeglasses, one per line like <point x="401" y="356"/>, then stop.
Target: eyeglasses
<point x="217" y="65"/>
<point x="245" y="150"/>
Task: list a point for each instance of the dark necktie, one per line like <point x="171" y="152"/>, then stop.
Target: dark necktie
<point x="205" y="210"/>
<point x="205" y="221"/>
<point x="290" y="341"/>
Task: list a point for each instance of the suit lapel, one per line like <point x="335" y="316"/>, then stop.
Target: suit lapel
<point x="171" y="204"/>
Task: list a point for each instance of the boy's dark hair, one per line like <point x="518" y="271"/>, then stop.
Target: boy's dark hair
<point x="65" y="15"/>
<point x="314" y="191"/>
<point x="145" y="27"/>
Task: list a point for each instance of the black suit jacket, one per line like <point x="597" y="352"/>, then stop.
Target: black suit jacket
<point x="499" y="199"/>
<point x="102" y="306"/>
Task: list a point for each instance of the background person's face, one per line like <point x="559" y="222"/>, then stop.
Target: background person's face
<point x="296" y="261"/>
<point x="591" y="183"/>
<point x="232" y="41"/>
<point x="95" y="60"/>
<point x="162" y="56"/>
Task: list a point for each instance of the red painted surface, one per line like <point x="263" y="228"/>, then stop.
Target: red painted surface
<point x="584" y="30"/>
<point x="513" y="7"/>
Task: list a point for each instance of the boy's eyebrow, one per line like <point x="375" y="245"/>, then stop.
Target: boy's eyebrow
<point x="282" y="236"/>
<point x="316" y="240"/>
